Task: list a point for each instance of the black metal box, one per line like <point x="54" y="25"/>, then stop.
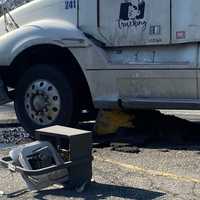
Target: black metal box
<point x="78" y="144"/>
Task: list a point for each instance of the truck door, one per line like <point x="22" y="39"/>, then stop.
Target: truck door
<point x="134" y="22"/>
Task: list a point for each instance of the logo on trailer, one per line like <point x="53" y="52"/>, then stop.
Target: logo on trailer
<point x="132" y="13"/>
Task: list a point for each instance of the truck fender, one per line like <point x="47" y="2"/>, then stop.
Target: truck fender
<point x="57" y="32"/>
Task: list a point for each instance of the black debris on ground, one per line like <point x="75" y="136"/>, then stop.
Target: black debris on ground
<point x="131" y="136"/>
<point x="13" y="135"/>
<point x="125" y="148"/>
<point x="102" y="141"/>
<point x="164" y="150"/>
<point x="165" y="128"/>
<point x="152" y="128"/>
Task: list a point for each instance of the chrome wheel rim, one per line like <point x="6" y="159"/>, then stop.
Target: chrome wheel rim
<point x="42" y="102"/>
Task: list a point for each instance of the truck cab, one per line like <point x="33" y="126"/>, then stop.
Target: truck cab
<point x="64" y="56"/>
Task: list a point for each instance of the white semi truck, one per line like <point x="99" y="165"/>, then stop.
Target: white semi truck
<point x="63" y="56"/>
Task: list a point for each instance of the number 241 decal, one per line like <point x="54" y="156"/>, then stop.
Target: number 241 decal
<point x="70" y="4"/>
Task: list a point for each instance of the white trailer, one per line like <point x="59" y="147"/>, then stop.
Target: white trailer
<point x="63" y="56"/>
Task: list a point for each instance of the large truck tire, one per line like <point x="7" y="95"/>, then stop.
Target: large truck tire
<point x="45" y="96"/>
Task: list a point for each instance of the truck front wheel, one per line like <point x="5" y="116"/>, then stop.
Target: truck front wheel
<point x="45" y="96"/>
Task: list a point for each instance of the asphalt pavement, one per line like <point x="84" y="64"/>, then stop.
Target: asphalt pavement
<point x="154" y="173"/>
<point x="158" y="171"/>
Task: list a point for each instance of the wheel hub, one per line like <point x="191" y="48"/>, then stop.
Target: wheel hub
<point x="42" y="102"/>
<point x="38" y="103"/>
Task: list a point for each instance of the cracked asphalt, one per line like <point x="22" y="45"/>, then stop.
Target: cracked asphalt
<point x="163" y="173"/>
<point x="159" y="171"/>
<point x="172" y="174"/>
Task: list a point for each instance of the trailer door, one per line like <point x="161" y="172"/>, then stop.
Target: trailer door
<point x="134" y="22"/>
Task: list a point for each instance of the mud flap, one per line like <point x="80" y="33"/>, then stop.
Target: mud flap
<point x="3" y="93"/>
